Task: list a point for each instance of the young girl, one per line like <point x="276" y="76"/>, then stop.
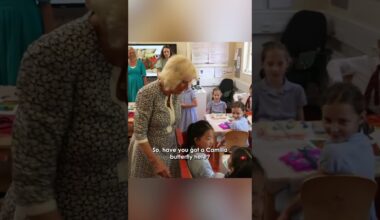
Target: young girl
<point x="200" y="136"/>
<point x="189" y="113"/>
<point x="348" y="151"/>
<point x="240" y="163"/>
<point x="216" y="105"/>
<point x="240" y="123"/>
<point x="275" y="98"/>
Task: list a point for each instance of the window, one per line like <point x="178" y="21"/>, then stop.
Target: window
<point x="247" y="58"/>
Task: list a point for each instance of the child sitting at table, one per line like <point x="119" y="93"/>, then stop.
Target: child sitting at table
<point x="216" y="105"/>
<point x="189" y="112"/>
<point x="275" y="98"/>
<point x="348" y="151"/>
<point x="200" y="136"/>
<point x="239" y="123"/>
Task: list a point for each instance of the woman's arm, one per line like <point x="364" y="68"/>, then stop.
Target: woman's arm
<point x="42" y="121"/>
<point x="47" y="16"/>
<point x="144" y="111"/>
<point x="159" y="167"/>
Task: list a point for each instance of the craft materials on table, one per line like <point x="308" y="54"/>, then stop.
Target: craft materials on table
<point x="304" y="159"/>
<point x="282" y="129"/>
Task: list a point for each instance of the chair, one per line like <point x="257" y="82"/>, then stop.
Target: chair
<point x="184" y="168"/>
<point x="236" y="138"/>
<point x="337" y="197"/>
<point x="226" y="86"/>
<point x="305" y="38"/>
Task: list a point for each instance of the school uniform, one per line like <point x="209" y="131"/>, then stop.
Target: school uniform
<point x="201" y="168"/>
<point x="271" y="104"/>
<point x="240" y="124"/>
<point x="353" y="157"/>
<point x="216" y="107"/>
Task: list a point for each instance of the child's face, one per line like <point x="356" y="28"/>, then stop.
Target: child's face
<point x="237" y="113"/>
<point x="341" y="121"/>
<point x="275" y="65"/>
<point x="216" y="95"/>
<point x="207" y="140"/>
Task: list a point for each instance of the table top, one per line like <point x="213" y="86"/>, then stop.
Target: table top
<point x="269" y="149"/>
<point x="216" y="119"/>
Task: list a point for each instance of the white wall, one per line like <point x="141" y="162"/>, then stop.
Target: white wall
<point x="363" y="11"/>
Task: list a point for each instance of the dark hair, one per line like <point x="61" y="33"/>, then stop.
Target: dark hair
<point x="162" y="51"/>
<point x="345" y="93"/>
<point x="196" y="130"/>
<point x="273" y="45"/>
<point x="238" y="105"/>
<point x="244" y="163"/>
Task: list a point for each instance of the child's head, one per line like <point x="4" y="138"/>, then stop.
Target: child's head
<point x="216" y="94"/>
<point x="275" y="60"/>
<point x="240" y="163"/>
<point x="200" y="134"/>
<point x="343" y="111"/>
<point x="237" y="109"/>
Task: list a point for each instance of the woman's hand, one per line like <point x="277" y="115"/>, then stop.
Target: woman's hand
<point x="161" y="169"/>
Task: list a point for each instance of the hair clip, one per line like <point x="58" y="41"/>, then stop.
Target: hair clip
<point x="243" y="158"/>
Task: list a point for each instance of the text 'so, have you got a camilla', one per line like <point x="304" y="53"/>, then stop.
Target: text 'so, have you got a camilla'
<point x="195" y="153"/>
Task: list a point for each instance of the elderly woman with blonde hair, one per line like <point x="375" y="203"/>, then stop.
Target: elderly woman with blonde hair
<point x="158" y="108"/>
<point x="70" y="133"/>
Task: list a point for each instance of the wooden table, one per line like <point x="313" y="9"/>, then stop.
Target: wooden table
<point x="268" y="151"/>
<point x="216" y="119"/>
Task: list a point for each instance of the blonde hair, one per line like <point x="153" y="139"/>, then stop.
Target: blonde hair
<point x="177" y="69"/>
<point x="114" y="14"/>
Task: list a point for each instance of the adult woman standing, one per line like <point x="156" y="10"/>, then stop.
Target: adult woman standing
<point x="21" y="22"/>
<point x="70" y="133"/>
<point x="158" y="110"/>
<point x="166" y="53"/>
<point x="136" y="75"/>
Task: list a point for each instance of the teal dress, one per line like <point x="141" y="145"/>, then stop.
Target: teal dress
<point x="20" y="25"/>
<point x="135" y="80"/>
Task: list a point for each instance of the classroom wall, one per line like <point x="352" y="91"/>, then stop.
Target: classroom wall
<point x="363" y="11"/>
<point x="243" y="81"/>
<point x="310" y="4"/>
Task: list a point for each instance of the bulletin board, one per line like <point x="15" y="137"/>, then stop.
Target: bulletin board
<point x="210" y="53"/>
